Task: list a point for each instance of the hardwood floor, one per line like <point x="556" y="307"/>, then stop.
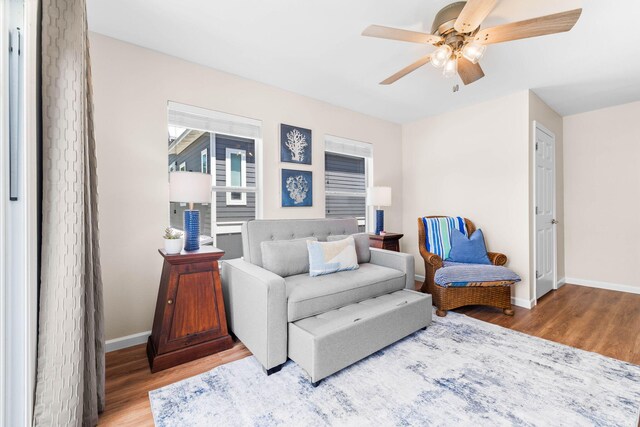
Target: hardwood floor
<point x="597" y="320"/>
<point x="129" y="380"/>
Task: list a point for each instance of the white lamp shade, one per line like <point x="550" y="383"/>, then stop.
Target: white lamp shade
<point x="189" y="187"/>
<point x="379" y="196"/>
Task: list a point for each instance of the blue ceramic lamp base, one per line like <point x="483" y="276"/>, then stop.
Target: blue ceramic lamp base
<point x="191" y="230"/>
<point x="379" y="221"/>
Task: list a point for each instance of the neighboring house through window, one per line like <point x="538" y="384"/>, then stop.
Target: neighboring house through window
<point x="228" y="148"/>
<point x="236" y="174"/>
<point x="204" y="161"/>
<point x="347" y="168"/>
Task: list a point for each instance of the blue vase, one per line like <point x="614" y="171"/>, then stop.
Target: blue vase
<point x="379" y="221"/>
<point x="191" y="230"/>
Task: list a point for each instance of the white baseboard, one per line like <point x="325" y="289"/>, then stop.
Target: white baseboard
<point x="520" y="302"/>
<point x="560" y="283"/>
<point x="127" y="341"/>
<point x="604" y="285"/>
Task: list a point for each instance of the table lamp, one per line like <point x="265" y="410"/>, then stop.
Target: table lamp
<point x="379" y="196"/>
<point x="190" y="187"/>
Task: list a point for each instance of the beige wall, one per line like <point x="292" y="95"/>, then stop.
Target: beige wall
<point x="543" y="114"/>
<point x="602" y="196"/>
<point x="472" y="162"/>
<point x="132" y="86"/>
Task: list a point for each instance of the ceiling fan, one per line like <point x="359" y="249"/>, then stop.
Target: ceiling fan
<point x="461" y="43"/>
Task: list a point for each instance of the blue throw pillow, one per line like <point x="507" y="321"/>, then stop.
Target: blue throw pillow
<point x="469" y="251"/>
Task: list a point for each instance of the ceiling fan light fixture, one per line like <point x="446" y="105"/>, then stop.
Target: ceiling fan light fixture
<point x="459" y="41"/>
<point x="450" y="67"/>
<point x="473" y="51"/>
<point x="441" y="55"/>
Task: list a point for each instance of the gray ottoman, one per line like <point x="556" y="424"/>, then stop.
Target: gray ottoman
<point x="328" y="342"/>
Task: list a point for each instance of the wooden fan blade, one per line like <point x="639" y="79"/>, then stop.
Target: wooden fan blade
<point x="468" y="71"/>
<point x="402" y="35"/>
<point x="406" y="70"/>
<point x="473" y="14"/>
<point x="541" y="26"/>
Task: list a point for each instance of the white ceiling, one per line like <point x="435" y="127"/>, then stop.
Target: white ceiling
<point x="315" y="48"/>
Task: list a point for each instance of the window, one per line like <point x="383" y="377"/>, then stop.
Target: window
<point x="347" y="167"/>
<point x="228" y="148"/>
<point x="204" y="161"/>
<point x="173" y="166"/>
<point x="236" y="174"/>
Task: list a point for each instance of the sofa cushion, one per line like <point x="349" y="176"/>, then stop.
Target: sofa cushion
<point x="255" y="232"/>
<point x="308" y="296"/>
<point x="330" y="257"/>
<point x="362" y="245"/>
<point x="286" y="257"/>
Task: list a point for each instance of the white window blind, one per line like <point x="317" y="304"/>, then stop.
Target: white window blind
<point x="350" y="147"/>
<point x="191" y="117"/>
<point x="348" y="170"/>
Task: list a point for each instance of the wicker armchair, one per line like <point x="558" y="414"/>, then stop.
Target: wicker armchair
<point x="448" y="298"/>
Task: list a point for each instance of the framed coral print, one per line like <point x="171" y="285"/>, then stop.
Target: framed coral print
<point x="295" y="144"/>
<point x="297" y="188"/>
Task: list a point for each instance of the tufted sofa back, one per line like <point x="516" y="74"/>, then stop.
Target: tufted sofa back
<point x="257" y="231"/>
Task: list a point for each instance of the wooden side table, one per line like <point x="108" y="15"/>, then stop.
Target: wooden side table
<point x="189" y="321"/>
<point x="390" y="241"/>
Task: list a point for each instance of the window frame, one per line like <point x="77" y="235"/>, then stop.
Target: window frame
<point x="243" y="176"/>
<point x="182" y="167"/>
<point x="367" y="222"/>
<point x="204" y="165"/>
<point x="220" y="124"/>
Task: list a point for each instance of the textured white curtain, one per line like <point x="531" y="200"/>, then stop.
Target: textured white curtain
<point x="70" y="372"/>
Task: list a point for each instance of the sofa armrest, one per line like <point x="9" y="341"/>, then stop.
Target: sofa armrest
<point x="398" y="261"/>
<point x="256" y="304"/>
<point x="497" y="258"/>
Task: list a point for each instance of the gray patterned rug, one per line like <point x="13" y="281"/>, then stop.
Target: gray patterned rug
<point x="458" y="372"/>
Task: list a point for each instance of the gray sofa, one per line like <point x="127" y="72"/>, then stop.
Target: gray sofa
<point x="323" y="323"/>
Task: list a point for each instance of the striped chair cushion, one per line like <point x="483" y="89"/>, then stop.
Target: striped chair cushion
<point x="438" y="233"/>
<point x="454" y="274"/>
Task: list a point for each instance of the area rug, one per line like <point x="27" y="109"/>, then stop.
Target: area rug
<point x="458" y="372"/>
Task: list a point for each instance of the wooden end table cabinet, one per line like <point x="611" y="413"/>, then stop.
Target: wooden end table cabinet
<point x="390" y="241"/>
<point x="189" y="320"/>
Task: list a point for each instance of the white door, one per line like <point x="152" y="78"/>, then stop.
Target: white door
<point x="545" y="211"/>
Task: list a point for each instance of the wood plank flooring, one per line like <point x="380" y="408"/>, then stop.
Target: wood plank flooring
<point x="597" y="320"/>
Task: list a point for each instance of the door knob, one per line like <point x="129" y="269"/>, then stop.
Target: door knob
<point x="554" y="221"/>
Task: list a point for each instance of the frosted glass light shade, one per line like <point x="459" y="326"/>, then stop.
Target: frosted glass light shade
<point x="450" y="68"/>
<point x="473" y="51"/>
<point x="189" y="187"/>
<point x="441" y="55"/>
<point x="379" y="196"/>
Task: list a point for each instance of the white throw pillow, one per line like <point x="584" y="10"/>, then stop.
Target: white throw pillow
<point x="330" y="257"/>
<point x="362" y="245"/>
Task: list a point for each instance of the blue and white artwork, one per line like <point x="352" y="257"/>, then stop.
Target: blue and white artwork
<point x="297" y="188"/>
<point x="295" y="144"/>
